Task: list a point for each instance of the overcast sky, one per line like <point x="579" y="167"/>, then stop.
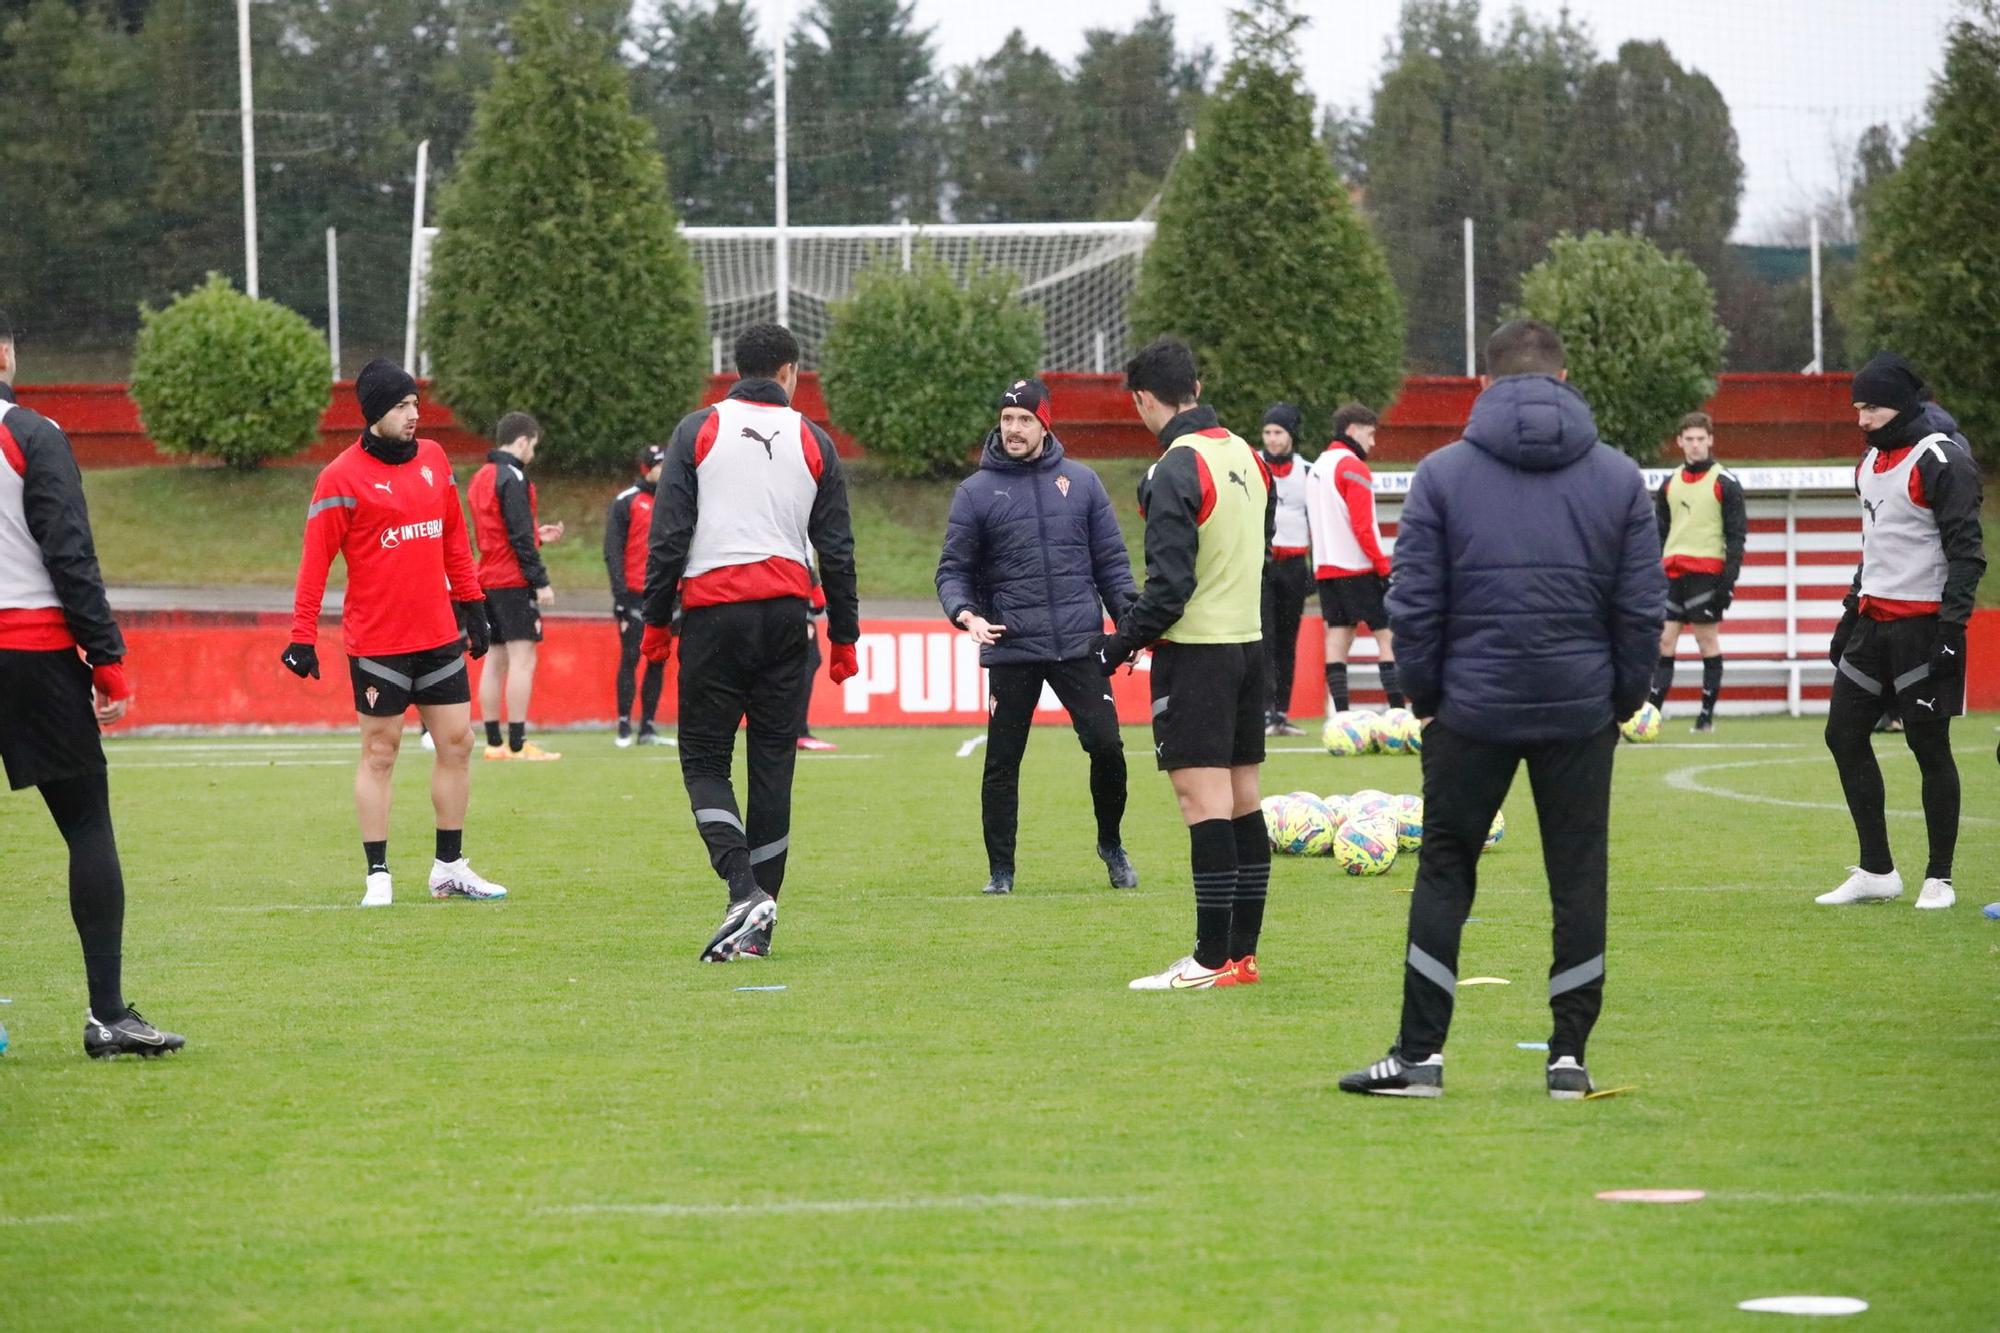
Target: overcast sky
<point x="1802" y="77"/>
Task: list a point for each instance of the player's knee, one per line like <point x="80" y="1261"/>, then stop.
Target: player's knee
<point x="454" y="746"/>
<point x="378" y="753"/>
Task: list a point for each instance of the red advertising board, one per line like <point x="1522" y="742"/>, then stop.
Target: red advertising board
<point x="218" y="669"/>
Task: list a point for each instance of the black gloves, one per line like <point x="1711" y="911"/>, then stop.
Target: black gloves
<point x="1109" y="652"/>
<point x="472" y="621"/>
<point x="1724" y="596"/>
<point x="1948" y="651"/>
<point x="1840" y="633"/>
<point x="302" y="660"/>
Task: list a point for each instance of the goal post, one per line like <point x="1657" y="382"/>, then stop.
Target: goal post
<point x="1081" y="275"/>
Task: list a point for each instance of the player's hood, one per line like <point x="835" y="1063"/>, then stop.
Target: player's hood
<point x="993" y="457"/>
<point x="1537" y="423"/>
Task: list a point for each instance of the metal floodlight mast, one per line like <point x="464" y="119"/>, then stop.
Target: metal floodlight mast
<point x="249" y="147"/>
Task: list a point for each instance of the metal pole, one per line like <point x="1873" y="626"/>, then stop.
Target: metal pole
<point x="1471" y="327"/>
<point x="1819" y="345"/>
<point x="715" y="353"/>
<point x="782" y="258"/>
<point x="249" y="147"/>
<point x="416" y="260"/>
<point x="333" y="299"/>
<point x="1098" y="349"/>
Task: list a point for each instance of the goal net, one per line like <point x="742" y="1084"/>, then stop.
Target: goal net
<point x="1080" y="275"/>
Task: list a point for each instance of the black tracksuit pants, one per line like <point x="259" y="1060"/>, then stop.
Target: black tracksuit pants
<point x="743" y="660"/>
<point x="1084" y="691"/>
<point x="1287" y="584"/>
<point x="1465" y="781"/>
<point x="631" y="629"/>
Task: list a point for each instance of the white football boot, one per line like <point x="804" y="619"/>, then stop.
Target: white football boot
<point x="458" y="877"/>
<point x="1936" y="893"/>
<point x="1862" y="887"/>
<point x="1187" y="974"/>
<point x="379" y="893"/>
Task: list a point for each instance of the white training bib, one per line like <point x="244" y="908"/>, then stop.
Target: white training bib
<point x="1902" y="556"/>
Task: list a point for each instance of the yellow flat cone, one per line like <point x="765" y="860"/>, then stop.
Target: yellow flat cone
<point x="1610" y="1092"/>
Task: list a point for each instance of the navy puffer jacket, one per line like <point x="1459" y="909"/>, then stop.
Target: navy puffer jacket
<point x="1527" y="594"/>
<point x="1034" y="545"/>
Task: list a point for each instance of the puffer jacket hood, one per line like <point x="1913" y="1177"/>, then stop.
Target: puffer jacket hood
<point x="1538" y="423"/>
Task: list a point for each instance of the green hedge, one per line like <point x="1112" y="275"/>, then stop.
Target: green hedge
<point x="915" y="362"/>
<point x="1644" y="344"/>
<point x="221" y="375"/>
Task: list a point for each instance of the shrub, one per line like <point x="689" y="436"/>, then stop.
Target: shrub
<point x="222" y="375"/>
<point x="914" y="362"/>
<point x="1260" y="262"/>
<point x="559" y="283"/>
<point x="1644" y="344"/>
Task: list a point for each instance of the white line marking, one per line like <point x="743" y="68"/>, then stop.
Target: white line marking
<point x="808" y="754"/>
<point x="122" y="765"/>
<point x="1689" y="779"/>
<point x="965" y="750"/>
<point x="239" y="747"/>
<point x="47" y="1219"/>
<point x="779" y="1207"/>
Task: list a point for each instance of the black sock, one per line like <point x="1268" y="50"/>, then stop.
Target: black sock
<point x="517" y="736"/>
<point x="1663" y="680"/>
<point x="1711" y="682"/>
<point x="492" y="731"/>
<point x="1253" y="881"/>
<point x="1390" y="685"/>
<point x="1336" y="685"/>
<point x="451" y="844"/>
<point x="1212" y="853"/>
<point x="377" y="854"/>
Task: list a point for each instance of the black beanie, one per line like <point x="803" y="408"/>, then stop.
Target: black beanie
<point x="1032" y="395"/>
<point x="1284" y="414"/>
<point x="1889" y="381"/>
<point x="379" y="387"/>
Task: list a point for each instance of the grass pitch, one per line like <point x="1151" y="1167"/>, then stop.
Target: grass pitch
<point x="545" y="1113"/>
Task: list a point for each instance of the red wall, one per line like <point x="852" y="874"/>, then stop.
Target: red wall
<point x="1757" y="416"/>
<point x="203" y="669"/>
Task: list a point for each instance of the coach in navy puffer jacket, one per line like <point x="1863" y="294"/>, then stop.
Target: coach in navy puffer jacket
<point x="1527" y="594"/>
<point x="1033" y="544"/>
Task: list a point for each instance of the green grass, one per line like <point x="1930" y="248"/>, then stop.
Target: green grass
<point x="400" y="1118"/>
<point x="177" y="525"/>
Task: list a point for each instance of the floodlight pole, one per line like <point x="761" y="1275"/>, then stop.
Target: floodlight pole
<point x="1471" y="330"/>
<point x="249" y="147"/>
<point x="333" y="299"/>
<point x="1819" y="345"/>
<point x="416" y="260"/>
<point x="782" y="257"/>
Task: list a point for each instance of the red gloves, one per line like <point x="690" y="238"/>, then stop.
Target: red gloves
<point x="109" y="681"/>
<point x="657" y="643"/>
<point x="841" y="663"/>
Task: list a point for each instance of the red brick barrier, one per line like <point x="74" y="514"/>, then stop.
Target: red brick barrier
<point x="220" y="669"/>
<point x="1757" y="416"/>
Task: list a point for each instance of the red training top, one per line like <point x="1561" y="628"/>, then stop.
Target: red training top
<point x="400" y="530"/>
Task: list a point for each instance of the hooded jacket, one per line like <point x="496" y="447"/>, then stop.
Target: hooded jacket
<point x="1033" y="544"/>
<point x="1528" y="596"/>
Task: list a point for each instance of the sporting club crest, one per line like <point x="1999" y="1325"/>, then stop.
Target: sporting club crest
<point x="429" y="480"/>
<point x="371" y="694"/>
<point x="1062" y="485"/>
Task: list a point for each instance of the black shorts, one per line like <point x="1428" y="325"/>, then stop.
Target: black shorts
<point x="512" y="615"/>
<point x="48" y="724"/>
<point x="385" y="686"/>
<point x="1885" y="657"/>
<point x="1695" y="599"/>
<point x="1208" y="704"/>
<point x="1353" y="599"/>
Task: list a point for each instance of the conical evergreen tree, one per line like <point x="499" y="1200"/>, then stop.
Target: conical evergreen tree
<point x="559" y="284"/>
<point x="1260" y="261"/>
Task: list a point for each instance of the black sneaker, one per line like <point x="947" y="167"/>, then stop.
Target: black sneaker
<point x="1704" y="724"/>
<point x="1280" y="725"/>
<point x="1001" y="882"/>
<point x="648" y="736"/>
<point x="1391" y="1077"/>
<point x="130" y="1035"/>
<point x="1123" y="874"/>
<point x="1569" y="1081"/>
<point x="757" y="944"/>
<point x="745" y="916"/>
<point x="624" y="741"/>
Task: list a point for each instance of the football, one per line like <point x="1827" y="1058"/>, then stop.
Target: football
<point x="1409" y="813"/>
<point x="1497" y="832"/>
<point x="1642" y="726"/>
<point x="1399" y="732"/>
<point x="1366" y="844"/>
